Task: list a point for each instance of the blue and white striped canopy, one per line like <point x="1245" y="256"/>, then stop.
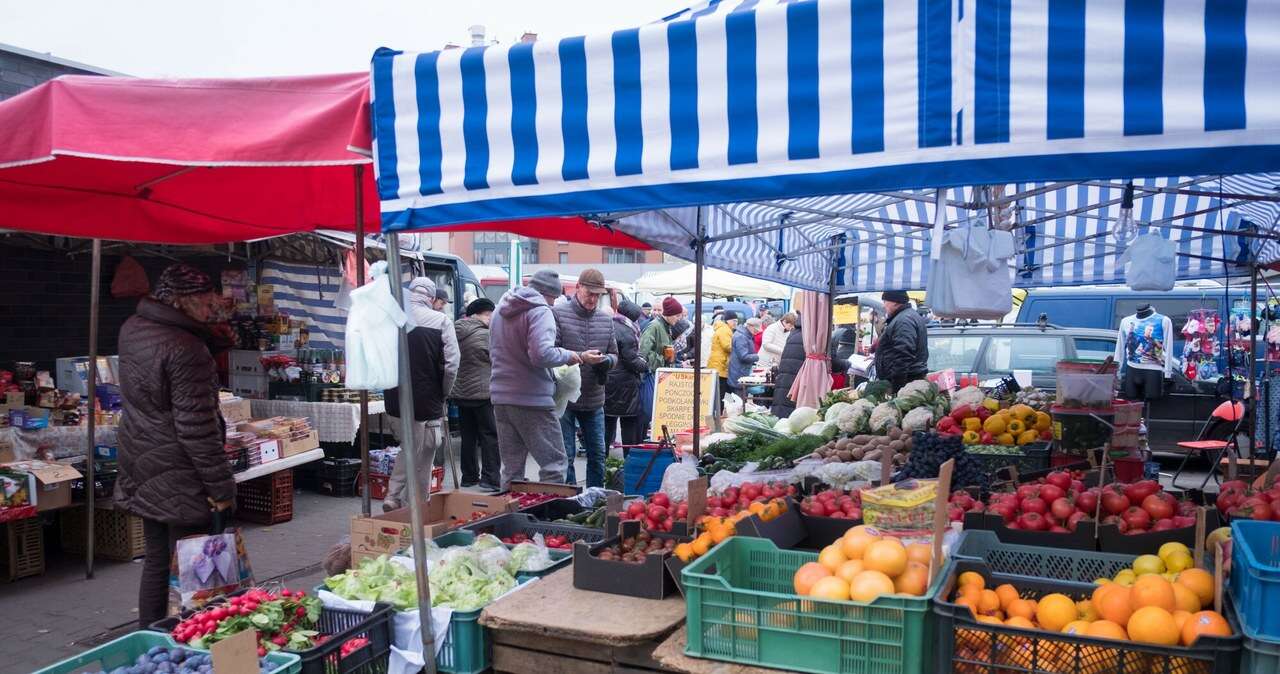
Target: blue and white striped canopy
<point x="747" y="104"/>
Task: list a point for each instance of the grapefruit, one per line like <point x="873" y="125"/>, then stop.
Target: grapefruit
<point x="868" y="585"/>
<point x="807" y="575"/>
<point x="1204" y="623"/>
<point x="831" y="587"/>
<point x="887" y="556"/>
<point x="1152" y="590"/>
<point x="1153" y="625"/>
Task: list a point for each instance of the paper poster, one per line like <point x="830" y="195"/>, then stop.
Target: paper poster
<point x="844" y="314"/>
<point x="673" y="400"/>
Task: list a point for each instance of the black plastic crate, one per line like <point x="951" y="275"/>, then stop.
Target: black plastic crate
<point x="967" y="645"/>
<point x="554" y="509"/>
<point x="1030" y="458"/>
<point x="341" y="625"/>
<point x="509" y="524"/>
<point x="104" y="485"/>
<point x="338" y="477"/>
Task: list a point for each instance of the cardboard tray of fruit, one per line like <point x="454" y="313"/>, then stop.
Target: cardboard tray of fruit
<point x="1040" y="625"/>
<point x="617" y="566"/>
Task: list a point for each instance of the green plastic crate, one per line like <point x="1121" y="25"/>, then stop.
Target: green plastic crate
<point x="742" y="608"/>
<point x="1032" y="561"/>
<point x="467" y="647"/>
<point x="125" y="650"/>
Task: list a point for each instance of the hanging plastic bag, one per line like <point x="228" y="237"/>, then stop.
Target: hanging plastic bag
<point x="130" y="279"/>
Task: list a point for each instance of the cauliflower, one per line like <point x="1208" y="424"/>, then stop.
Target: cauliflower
<point x="853" y="419"/>
<point x="833" y="412"/>
<point x="969" y="395"/>
<point x="884" y="417"/>
<point x="918" y="393"/>
<point x="918" y="419"/>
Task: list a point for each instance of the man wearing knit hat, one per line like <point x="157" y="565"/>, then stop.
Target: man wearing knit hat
<point x="583" y="327"/>
<point x="481" y="463"/>
<point x="902" y="354"/>
<point x="523" y="348"/>
<point x="658" y="350"/>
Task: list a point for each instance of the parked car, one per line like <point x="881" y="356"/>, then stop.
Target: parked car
<point x="993" y="351"/>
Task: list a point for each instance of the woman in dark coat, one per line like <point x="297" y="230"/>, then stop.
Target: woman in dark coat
<point x="789" y="366"/>
<point x="173" y="470"/>
<point x="622" y="389"/>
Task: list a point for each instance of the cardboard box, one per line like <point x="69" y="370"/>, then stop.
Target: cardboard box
<point x="293" y="447"/>
<point x="235" y="411"/>
<point x="388" y="533"/>
<point x="53" y="483"/>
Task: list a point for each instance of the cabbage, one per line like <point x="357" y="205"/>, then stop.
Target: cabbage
<point x="833" y="412"/>
<point x="802" y="418"/>
<point x="783" y="426"/>
<point x="378" y="580"/>
<point x="463" y="583"/>
<point x="819" y="428"/>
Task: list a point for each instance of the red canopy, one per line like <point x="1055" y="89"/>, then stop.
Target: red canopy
<point x="201" y="161"/>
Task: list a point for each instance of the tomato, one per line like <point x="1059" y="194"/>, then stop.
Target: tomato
<point x="1114" y="502"/>
<point x="1033" y="521"/>
<point x="1159" y="506"/>
<point x="1060" y="479"/>
<point x="1050" y="492"/>
<point x="1087" y="501"/>
<point x="1137" y="518"/>
<point x="660" y="499"/>
<point x="1062" y="509"/>
<point x="1034" y="505"/>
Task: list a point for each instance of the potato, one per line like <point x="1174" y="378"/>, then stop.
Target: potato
<point x="845" y="455"/>
<point x="857" y="454"/>
<point x="873" y="455"/>
<point x="895" y="433"/>
<point x="862" y="439"/>
<point x="897" y="446"/>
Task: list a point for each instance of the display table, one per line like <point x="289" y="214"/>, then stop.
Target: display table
<point x="65" y="441"/>
<point x="670" y="655"/>
<point x="280" y="464"/>
<point x="336" y="422"/>
<point x="552" y="627"/>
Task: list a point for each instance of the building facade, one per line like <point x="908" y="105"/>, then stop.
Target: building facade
<point x="22" y="69"/>
<point x="494" y="248"/>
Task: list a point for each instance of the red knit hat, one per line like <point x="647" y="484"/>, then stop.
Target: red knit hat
<point x="671" y="307"/>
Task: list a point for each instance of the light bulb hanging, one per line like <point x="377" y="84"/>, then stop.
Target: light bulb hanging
<point x="1126" y="229"/>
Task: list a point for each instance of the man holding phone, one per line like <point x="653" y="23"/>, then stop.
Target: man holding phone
<point x="586" y="329"/>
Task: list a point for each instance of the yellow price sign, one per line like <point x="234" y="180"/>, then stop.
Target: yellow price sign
<point x="673" y="400"/>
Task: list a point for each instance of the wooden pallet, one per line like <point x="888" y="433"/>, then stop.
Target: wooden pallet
<point x="117" y="535"/>
<point x="21" y="548"/>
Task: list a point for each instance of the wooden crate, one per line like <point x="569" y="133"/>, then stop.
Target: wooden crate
<point x="21" y="549"/>
<point x="117" y="535"/>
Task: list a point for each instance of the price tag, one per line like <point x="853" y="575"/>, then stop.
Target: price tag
<point x="269" y="450"/>
<point x="697" y="500"/>
<point x="237" y="654"/>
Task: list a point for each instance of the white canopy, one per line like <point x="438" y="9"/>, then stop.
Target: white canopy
<point x="715" y="282"/>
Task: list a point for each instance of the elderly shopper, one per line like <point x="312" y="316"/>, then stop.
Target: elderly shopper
<point x="173" y="470"/>
<point x="584" y="326"/>
<point x="622" y="404"/>
<point x="742" y="353"/>
<point x="479" y="452"/>
<point x="902" y="353"/>
<point x="433" y="368"/>
<point x="721" y="345"/>
<point x="523" y="348"/>
<point x="775" y="339"/>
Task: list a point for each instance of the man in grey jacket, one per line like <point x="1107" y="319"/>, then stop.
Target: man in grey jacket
<point x="584" y="327"/>
<point x="523" y="349"/>
<point x="433" y="367"/>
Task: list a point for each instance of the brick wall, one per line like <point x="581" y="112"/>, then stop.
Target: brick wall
<point x="19" y="72"/>
<point x="44" y="303"/>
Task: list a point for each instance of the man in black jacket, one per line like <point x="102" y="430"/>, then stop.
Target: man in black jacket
<point x="902" y="354"/>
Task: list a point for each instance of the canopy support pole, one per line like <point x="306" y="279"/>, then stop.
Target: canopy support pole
<point x="408" y="455"/>
<point x="1254" y="324"/>
<point x="91" y="431"/>
<point x="364" y="395"/>
<point x="699" y="254"/>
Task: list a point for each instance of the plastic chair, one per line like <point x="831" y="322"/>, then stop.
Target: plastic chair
<point x="1218" y="448"/>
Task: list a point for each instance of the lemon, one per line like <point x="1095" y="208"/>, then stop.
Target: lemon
<point x="1125" y="577"/>
<point x="1170" y="548"/>
<point x="1148" y="564"/>
<point x="1178" y="561"/>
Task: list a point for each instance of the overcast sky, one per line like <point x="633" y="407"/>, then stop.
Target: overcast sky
<point x="246" y="38"/>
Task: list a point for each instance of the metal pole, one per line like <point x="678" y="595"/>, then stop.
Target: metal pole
<point x="407" y="454"/>
<point x="1254" y="324"/>
<point x="91" y="431"/>
<point x="364" y="395"/>
<point x="699" y="256"/>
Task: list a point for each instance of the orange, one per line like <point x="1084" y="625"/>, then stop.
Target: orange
<point x="720" y="533"/>
<point x="807" y="575"/>
<point x="855" y="541"/>
<point x="1054" y="611"/>
<point x="972" y="592"/>
<point x="1022" y="608"/>
<point x="1152" y="590"/>
<point x="1007" y="594"/>
<point x="989" y="602"/>
<point x="849" y="569"/>
<point x="1112" y="603"/>
<point x="1076" y="627"/>
<point x="887" y="556"/>
<point x="1185" y="599"/>
<point x="831" y="587"/>
<point x="1019" y="621"/>
<point x="1153" y="625"/>
<point x="756" y="508"/>
<point x="972" y="578"/>
<point x="914" y="581"/>
<point x="870" y="584"/>
<point x="990" y="619"/>
<point x="1204" y="623"/>
<point x="920" y="552"/>
<point x="684" y="552"/>
<point x="701" y="544"/>
<point x="832" y="557"/>
<point x="969" y="603"/>
<point x="1181" y="617"/>
<point x="1087" y="612"/>
<point x="1106" y="629"/>
<point x="1198" y="581"/>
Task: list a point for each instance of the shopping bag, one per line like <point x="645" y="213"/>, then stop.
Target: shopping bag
<point x="207" y="566"/>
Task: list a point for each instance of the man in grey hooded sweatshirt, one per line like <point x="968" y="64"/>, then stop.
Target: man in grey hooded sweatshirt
<point x="433" y="367"/>
<point x="522" y="348"/>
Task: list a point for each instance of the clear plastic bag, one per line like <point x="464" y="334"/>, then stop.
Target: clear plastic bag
<point x="675" y="481"/>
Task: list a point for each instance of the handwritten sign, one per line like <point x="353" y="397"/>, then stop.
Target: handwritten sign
<point x="673" y="400"/>
<point x="844" y="314"/>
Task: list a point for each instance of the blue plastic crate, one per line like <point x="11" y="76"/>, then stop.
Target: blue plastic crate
<point x="633" y="469"/>
<point x="124" y="651"/>
<point x="1255" y="576"/>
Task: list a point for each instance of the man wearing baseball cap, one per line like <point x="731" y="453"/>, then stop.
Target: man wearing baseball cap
<point x="583" y="327"/>
<point x="523" y="348"/>
<point x="902" y="353"/>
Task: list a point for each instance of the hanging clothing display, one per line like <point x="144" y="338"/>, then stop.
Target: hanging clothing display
<point x="1201" y="346"/>
<point x="969" y="275"/>
<point x="1149" y="263"/>
<point x="1144" y="353"/>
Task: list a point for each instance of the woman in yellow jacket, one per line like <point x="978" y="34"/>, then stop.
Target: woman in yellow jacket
<point x="721" y="345"/>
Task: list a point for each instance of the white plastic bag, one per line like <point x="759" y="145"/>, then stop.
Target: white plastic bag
<point x="732" y="405"/>
<point x="675" y="480"/>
